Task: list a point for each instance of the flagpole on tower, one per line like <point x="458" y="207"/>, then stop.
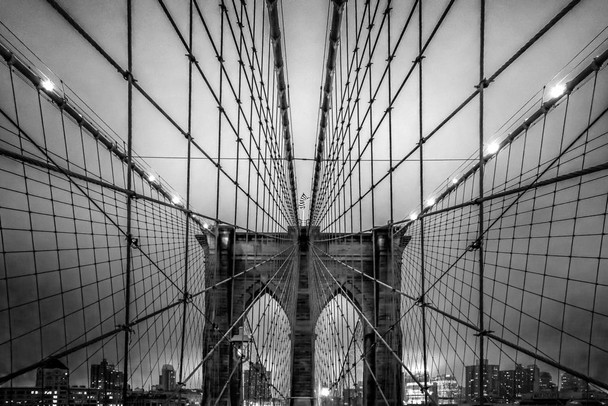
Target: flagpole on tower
<point x="302" y="206"/>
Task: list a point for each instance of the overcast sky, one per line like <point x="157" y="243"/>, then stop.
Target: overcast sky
<point x="161" y="68"/>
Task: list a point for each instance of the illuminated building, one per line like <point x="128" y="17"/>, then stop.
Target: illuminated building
<point x="570" y="383"/>
<point x="166" y="380"/>
<point x="52" y="387"/>
<point x="491" y="383"/>
<point x="257" y="383"/>
<point x="443" y="389"/>
<point x="515" y="383"/>
<point x="108" y="382"/>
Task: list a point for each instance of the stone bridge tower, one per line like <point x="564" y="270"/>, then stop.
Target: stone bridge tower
<point x="376" y="255"/>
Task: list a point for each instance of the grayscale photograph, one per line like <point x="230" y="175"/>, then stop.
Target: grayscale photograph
<point x="304" y="202"/>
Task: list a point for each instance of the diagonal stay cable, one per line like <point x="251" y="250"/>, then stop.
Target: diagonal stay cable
<point x="206" y="80"/>
<point x="85" y="194"/>
<point x="235" y="276"/>
<point x="336" y="145"/>
<point x="98" y="135"/>
<point x="393" y="100"/>
<point x="118" y="329"/>
<point x="94" y="203"/>
<point x="371" y="278"/>
<point x="137" y="196"/>
<point x="259" y="109"/>
<point x="61" y="354"/>
<point x="521" y="192"/>
<point x="255" y="344"/>
<point x="128" y="76"/>
<point x="349" y="328"/>
<point x="375" y="331"/>
<point x="283" y="268"/>
<point x="593" y="67"/>
<point x="486" y="83"/>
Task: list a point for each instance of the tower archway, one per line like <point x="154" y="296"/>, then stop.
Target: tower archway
<point x="338" y="352"/>
<point x="266" y="370"/>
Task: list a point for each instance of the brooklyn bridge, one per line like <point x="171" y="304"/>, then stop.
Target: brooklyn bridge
<point x="303" y="203"/>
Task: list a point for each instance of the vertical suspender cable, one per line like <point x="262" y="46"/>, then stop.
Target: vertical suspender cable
<point x="482" y="85"/>
<point x="371" y="111"/>
<point x="421" y="169"/>
<point x="389" y="59"/>
<point x="129" y="199"/>
<point x="188" y="175"/>
<point x="219" y="118"/>
<point x="283" y="102"/>
<point x="334" y="37"/>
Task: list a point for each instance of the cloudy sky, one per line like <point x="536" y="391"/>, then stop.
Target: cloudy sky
<point x="160" y="67"/>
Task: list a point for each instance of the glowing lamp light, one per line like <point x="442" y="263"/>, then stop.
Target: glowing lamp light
<point x="414" y="216"/>
<point x="492" y="148"/>
<point x="151" y="178"/>
<point x="557" y="91"/>
<point x="324" y="392"/>
<point x="206" y="226"/>
<point x="48" y="85"/>
<point x="176" y="200"/>
<point x="430" y="201"/>
<point x="455" y="181"/>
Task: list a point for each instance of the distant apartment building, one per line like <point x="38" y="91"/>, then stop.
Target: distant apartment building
<point x="166" y="380"/>
<point x="514" y="383"/>
<point x="83" y="396"/>
<point x="491" y="381"/>
<point x="353" y="396"/>
<point x="446" y="389"/>
<point x="443" y="389"/>
<point x="108" y="382"/>
<point x="570" y="383"/>
<point x="257" y="383"/>
<point x="52" y="387"/>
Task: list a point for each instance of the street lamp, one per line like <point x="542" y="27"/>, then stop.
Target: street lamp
<point x="240" y="355"/>
<point x="324" y="393"/>
<point x="48" y="85"/>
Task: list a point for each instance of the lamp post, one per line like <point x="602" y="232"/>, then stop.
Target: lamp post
<point x="325" y="393"/>
<point x="240" y="353"/>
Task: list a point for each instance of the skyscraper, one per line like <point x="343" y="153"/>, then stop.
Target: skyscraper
<point x="519" y="381"/>
<point x="570" y="383"/>
<point x="446" y="388"/>
<point x="53" y="374"/>
<point x="490" y="381"/>
<point x="166" y="380"/>
<point x="107" y="380"/>
<point x="52" y="383"/>
<point x="104" y="376"/>
<point x="531" y="379"/>
<point x="257" y="383"/>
